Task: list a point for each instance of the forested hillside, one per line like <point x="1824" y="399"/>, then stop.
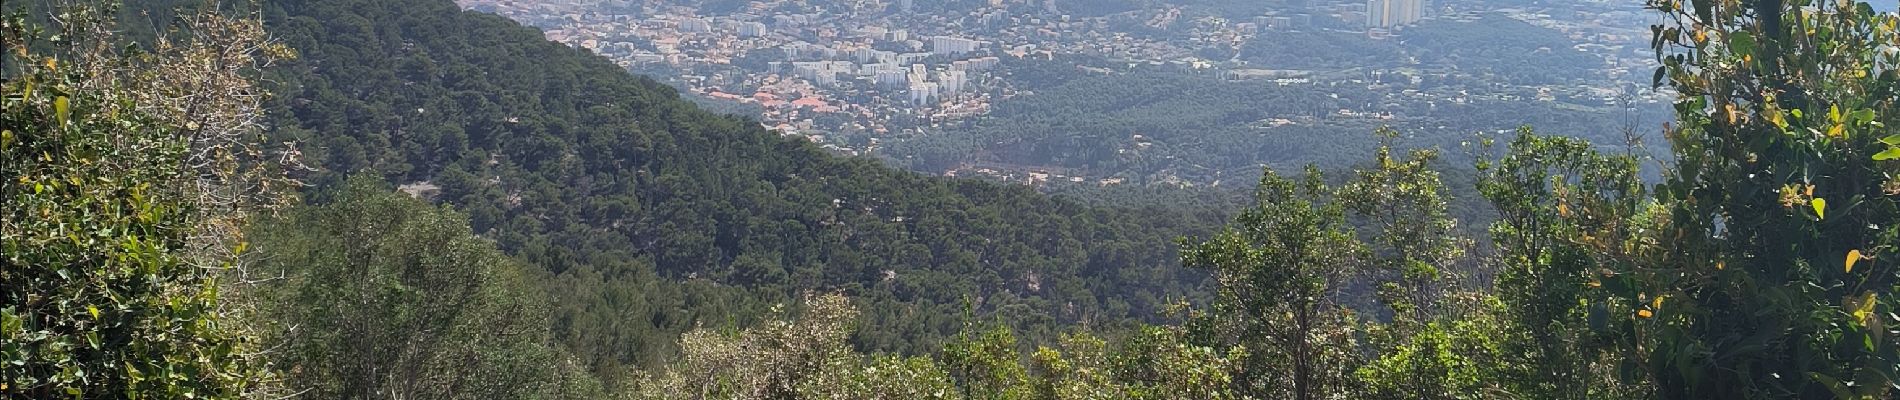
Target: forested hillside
<point x="654" y="217"/>
<point x="1492" y="46"/>
<point x="1159" y="125"/>
<point x="594" y="236"/>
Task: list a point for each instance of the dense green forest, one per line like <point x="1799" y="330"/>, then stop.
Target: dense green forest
<point x="1492" y="46"/>
<point x="1157" y="125"/>
<point x="435" y="203"/>
<point x="1100" y="123"/>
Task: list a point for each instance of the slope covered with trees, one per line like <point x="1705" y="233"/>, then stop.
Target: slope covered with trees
<point x="381" y="293"/>
<point x="653" y="216"/>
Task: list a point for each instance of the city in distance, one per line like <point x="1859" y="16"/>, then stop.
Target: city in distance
<point x="1059" y="93"/>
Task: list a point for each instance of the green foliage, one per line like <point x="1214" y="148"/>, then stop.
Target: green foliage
<point x="1443" y="341"/>
<point x="383" y="295"/>
<point x="105" y="291"/>
<point x="986" y="364"/>
<point x="1752" y="280"/>
<point x="1276" y="267"/>
<point x="1461" y="358"/>
<point x="1554" y="197"/>
<point x="1162" y="363"/>
<point x="1078" y="369"/>
<point x="885" y="377"/>
<point x="1746" y="275"/>
<point x="803" y="357"/>
<point x="1153" y="363"/>
<point x="1403" y="201"/>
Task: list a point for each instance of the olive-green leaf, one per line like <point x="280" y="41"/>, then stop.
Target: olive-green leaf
<point x="1741" y="43"/>
<point x="1889" y="154"/>
<point x="1862" y="115"/>
<point x="61" y="113"/>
